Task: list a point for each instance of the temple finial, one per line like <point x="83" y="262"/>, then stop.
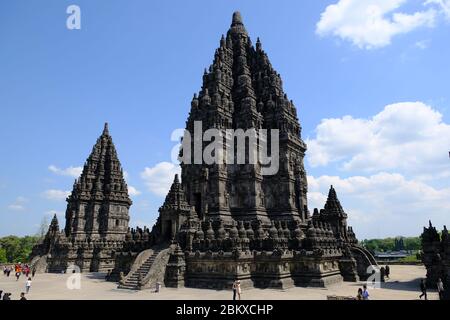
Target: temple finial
<point x="258" y="44"/>
<point x="106" y="129"/>
<point x="332" y="194"/>
<point x="54" y="225"/>
<point x="237" y="18"/>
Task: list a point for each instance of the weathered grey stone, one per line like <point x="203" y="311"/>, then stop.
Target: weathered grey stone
<point x="96" y="216"/>
<point x="436" y="257"/>
<point x="226" y="222"/>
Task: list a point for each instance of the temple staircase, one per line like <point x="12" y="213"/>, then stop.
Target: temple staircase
<point x="364" y="260"/>
<point x="148" y="269"/>
<point x="132" y="280"/>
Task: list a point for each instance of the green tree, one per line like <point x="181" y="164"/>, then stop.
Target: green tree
<point x="3" y="258"/>
<point x="389" y="244"/>
<point x="18" y="248"/>
<point x="413" y="243"/>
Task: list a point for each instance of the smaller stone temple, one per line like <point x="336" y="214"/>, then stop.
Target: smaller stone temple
<point x="436" y="256"/>
<point x="96" y="216"/>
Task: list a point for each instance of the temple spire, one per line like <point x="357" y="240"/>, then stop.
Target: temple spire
<point x="333" y="206"/>
<point x="237" y="26"/>
<point x="176" y="197"/>
<point x="332" y="196"/>
<point x="106" y="130"/>
<point x="237" y="19"/>
<point x="54" y="225"/>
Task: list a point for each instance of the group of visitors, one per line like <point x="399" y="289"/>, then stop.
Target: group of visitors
<point x="19" y="269"/>
<point x="423" y="289"/>
<point x="7" y="296"/>
<point x="363" y="294"/>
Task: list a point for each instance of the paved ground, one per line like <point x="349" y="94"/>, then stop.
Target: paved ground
<point x="403" y="285"/>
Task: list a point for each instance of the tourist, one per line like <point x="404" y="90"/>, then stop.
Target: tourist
<point x="238" y="289"/>
<point x="8" y="271"/>
<point x="365" y="293"/>
<point x="22" y="296"/>
<point x="388" y="271"/>
<point x="33" y="272"/>
<point x="17" y="270"/>
<point x="1" y="292"/>
<point x="27" y="271"/>
<point x="382" y="274"/>
<point x="359" y="296"/>
<point x="440" y="287"/>
<point x="108" y="275"/>
<point x="234" y="290"/>
<point x="6" y="296"/>
<point x="4" y="270"/>
<point x="28" y="285"/>
<point x="423" y="289"/>
<point x="158" y="287"/>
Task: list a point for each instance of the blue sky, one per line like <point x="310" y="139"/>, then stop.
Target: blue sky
<point x="369" y="78"/>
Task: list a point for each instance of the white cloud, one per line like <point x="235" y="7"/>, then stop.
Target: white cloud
<point x="384" y="204"/>
<point x="74" y="172"/>
<point x="16" y="207"/>
<point x="371" y="24"/>
<point x="132" y="191"/>
<point x="410" y="138"/>
<point x="443" y="6"/>
<point x="18" y="204"/>
<point x="395" y="163"/>
<point x="57" y="195"/>
<point x="423" y="44"/>
<point x="60" y="215"/>
<point x="160" y="177"/>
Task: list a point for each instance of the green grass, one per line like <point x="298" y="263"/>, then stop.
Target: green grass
<point x="411" y="258"/>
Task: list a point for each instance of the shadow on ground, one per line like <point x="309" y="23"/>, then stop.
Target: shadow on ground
<point x="410" y="285"/>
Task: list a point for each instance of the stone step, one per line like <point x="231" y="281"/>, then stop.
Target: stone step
<point x="132" y="281"/>
<point x="128" y="287"/>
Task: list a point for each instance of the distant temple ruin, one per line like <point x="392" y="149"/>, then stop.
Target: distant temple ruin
<point x="219" y="222"/>
<point x="436" y="257"/>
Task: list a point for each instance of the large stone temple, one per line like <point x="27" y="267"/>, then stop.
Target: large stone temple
<point x="219" y="222"/>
